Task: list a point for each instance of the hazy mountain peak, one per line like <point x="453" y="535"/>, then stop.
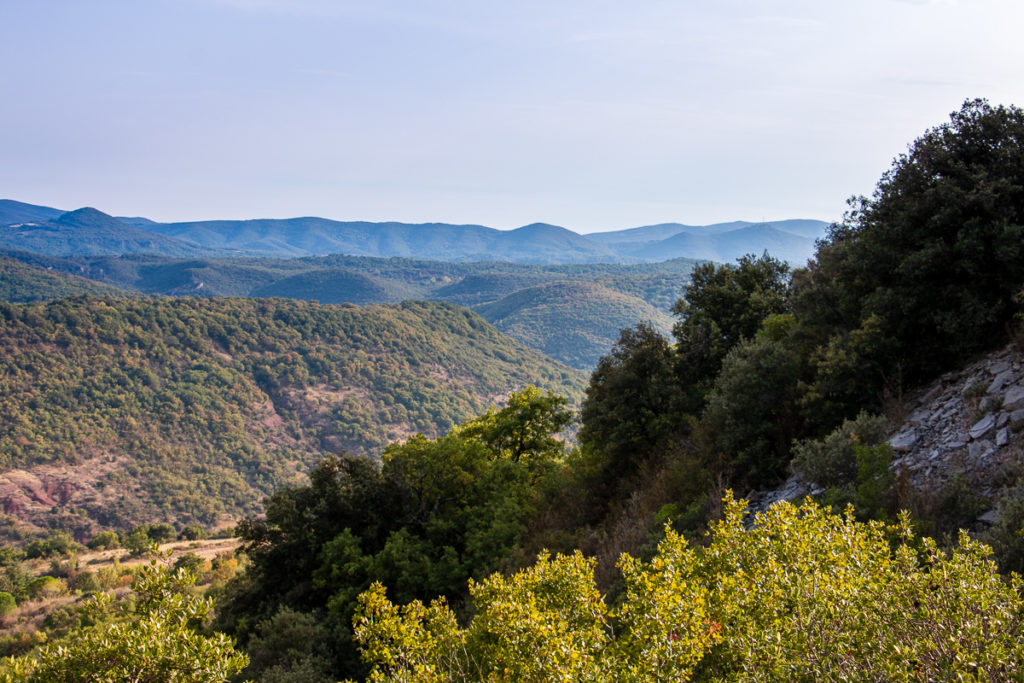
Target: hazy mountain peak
<point x="87" y="216"/>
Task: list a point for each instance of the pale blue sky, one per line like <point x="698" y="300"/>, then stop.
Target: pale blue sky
<point x="590" y="114"/>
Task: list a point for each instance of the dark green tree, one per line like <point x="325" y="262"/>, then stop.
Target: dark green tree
<point x="936" y="255"/>
<point x="634" y="403"/>
<point x="752" y="416"/>
<point x="723" y="305"/>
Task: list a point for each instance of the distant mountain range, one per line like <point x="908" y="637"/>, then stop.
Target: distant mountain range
<point x="90" y="232"/>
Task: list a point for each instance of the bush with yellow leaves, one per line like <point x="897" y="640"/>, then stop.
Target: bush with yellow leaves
<point x="800" y="595"/>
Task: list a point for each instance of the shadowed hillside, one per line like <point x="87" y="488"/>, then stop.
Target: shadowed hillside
<point x="23" y="283"/>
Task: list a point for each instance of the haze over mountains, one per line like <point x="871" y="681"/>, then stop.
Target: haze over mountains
<point x="559" y="292"/>
<point x="87" y="231"/>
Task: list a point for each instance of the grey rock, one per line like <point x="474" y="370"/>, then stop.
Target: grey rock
<point x="978" y="450"/>
<point x="932" y="394"/>
<point x="983" y="426"/>
<point x="904" y="441"/>
<point x="1014" y="398"/>
<point x="1002" y="419"/>
<point x="990" y="517"/>
<point x="999" y="367"/>
<point x="1002" y="379"/>
<point x="1002" y="437"/>
<point x="920" y="416"/>
<point x="1017" y="415"/>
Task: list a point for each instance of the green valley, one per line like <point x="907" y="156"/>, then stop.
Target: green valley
<point x="118" y="411"/>
<point x="526" y="301"/>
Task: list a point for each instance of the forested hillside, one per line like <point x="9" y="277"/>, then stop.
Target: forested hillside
<point x="120" y="411"/>
<point x="575" y="322"/>
<point x="592" y="302"/>
<point x="23" y="283"/>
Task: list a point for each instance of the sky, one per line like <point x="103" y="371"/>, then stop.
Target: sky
<point x="590" y="114"/>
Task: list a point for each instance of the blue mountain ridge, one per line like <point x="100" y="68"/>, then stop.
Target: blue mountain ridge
<point x="87" y="231"/>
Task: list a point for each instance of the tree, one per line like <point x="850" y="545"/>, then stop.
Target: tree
<point x="723" y="305"/>
<point x="936" y="255"/>
<point x="751" y="414"/>
<point x="7" y="603"/>
<point x="634" y="403"/>
<point x="432" y="514"/>
<point x="526" y="428"/>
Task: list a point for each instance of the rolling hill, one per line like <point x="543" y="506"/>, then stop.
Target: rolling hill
<point x="789" y="240"/>
<point x="538" y="243"/>
<point x="20" y="212"/>
<point x="24" y="283"/>
<point x="337" y="286"/>
<point x="577" y="322"/>
<point x="723" y="246"/>
<point x="120" y="411"/>
<point x="363" y="280"/>
<point x="90" y="232"/>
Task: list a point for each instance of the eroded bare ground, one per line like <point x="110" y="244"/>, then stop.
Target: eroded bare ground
<point x="32" y="494"/>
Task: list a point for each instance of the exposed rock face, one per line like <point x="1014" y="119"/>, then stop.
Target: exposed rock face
<point x="966" y="423"/>
<point x="969" y="422"/>
<point x="38" y="495"/>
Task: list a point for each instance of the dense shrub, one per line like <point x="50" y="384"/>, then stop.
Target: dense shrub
<point x="832" y="460"/>
<point x="152" y="638"/>
<point x="7" y="603"/>
<point x="104" y="540"/>
<point x="803" y="594"/>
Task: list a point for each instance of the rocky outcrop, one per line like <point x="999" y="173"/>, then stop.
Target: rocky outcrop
<point x="968" y="423"/>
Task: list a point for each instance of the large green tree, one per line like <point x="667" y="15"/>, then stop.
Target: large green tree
<point x="723" y="305"/>
<point x="934" y="257"/>
<point x="634" y="404"/>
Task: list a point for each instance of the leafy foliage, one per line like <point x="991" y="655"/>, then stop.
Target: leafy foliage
<point x="751" y="408"/>
<point x="832" y="460"/>
<point x="155" y="641"/>
<point x="434" y="514"/>
<point x="935" y="255"/>
<point x="916" y="278"/>
<point x="722" y="306"/>
<point x="803" y="594"/>
<point x="634" y="403"/>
